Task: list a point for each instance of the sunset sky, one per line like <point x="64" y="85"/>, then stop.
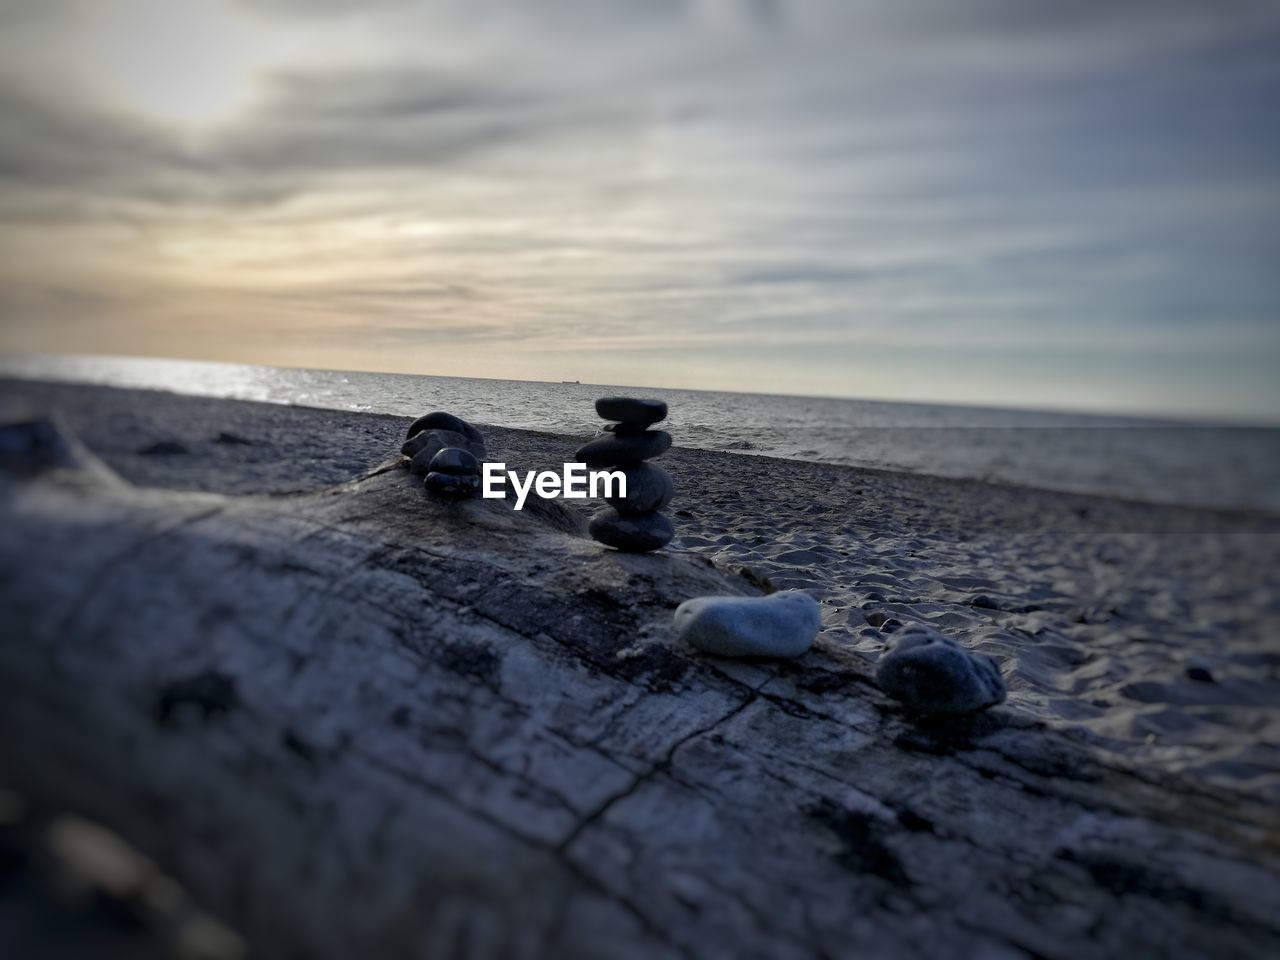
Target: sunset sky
<point x="951" y="200"/>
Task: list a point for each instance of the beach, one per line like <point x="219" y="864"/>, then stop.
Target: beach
<point x="1138" y="642"/>
<point x="1097" y="608"/>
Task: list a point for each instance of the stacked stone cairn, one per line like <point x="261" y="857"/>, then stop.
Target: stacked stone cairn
<point x="447" y="451"/>
<point x="633" y="523"/>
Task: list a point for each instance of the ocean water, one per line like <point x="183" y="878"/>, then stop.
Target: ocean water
<point x="1223" y="466"/>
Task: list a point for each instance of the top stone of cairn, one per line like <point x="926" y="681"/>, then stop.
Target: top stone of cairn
<point x="632" y="411"/>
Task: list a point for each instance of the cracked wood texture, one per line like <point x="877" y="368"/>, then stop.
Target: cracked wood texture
<point x="363" y="723"/>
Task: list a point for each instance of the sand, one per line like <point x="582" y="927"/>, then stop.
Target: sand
<point x="1151" y="633"/>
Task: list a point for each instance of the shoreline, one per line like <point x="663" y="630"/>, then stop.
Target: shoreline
<point x="1144" y="418"/>
<point x="18" y="385"/>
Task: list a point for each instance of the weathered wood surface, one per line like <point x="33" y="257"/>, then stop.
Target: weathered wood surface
<point x="362" y="723"/>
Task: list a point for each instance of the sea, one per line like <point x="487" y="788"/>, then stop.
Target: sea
<point x="1216" y="465"/>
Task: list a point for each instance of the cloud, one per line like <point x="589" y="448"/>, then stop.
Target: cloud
<point x="692" y="173"/>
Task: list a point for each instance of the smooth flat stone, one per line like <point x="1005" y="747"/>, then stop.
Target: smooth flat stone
<point x="631" y="410"/>
<point x="631" y="534"/>
<point x="649" y="488"/>
<point x="619" y="451"/>
<point x="452" y="486"/>
<point x="931" y="673"/>
<point x="439" y="420"/>
<point x="782" y="624"/>
<point x="456" y="461"/>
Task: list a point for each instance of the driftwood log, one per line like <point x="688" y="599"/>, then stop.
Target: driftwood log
<point x="363" y="723"/>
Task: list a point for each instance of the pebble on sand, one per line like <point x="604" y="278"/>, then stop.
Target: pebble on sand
<point x="780" y="625"/>
<point x="651" y="531"/>
<point x="931" y="673"/>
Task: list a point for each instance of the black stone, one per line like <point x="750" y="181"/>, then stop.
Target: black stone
<point x="1200" y="675"/>
<point x="649" y="488"/>
<point x="631" y="410"/>
<point x="616" y="451"/>
<point x="456" y="461"/>
<point x="439" y="421"/>
<point x="452" y="486"/>
<point x="427" y="444"/>
<point x="631" y="534"/>
<point x="472" y="434"/>
<point x="931" y="673"/>
<point x="439" y="439"/>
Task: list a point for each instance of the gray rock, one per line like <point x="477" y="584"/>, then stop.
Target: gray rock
<point x="931" y="673"/>
<point x="631" y="534"/>
<point x="455" y="461"/>
<point x="452" y="486"/>
<point x="631" y="410"/>
<point x="439" y="421"/>
<point x="649" y="488"/>
<point x="620" y="451"/>
<point x="426" y="445"/>
<point x="780" y="625"/>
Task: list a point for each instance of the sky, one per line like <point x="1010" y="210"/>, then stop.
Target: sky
<point x="1071" y="205"/>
